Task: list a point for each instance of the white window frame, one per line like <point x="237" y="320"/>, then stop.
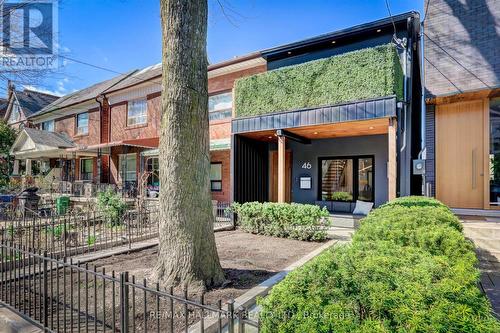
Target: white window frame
<point x="80" y="130"/>
<point x="52" y="125"/>
<point x="124" y="175"/>
<point x="214" y="181"/>
<point x="221" y="110"/>
<point x="140" y="118"/>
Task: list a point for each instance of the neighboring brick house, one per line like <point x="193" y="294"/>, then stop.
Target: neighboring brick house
<point x="20" y="105"/>
<point x="462" y="81"/>
<point x="114" y="126"/>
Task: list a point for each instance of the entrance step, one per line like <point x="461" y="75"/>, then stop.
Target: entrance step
<point x="485" y="233"/>
<point x="345" y="220"/>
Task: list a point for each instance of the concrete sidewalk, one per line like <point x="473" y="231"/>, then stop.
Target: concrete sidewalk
<point x="10" y="322"/>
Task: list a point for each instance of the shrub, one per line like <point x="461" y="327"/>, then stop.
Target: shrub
<point x="296" y="221"/>
<point x="415" y="273"/>
<point x="111" y="205"/>
<point x="415" y="201"/>
<point x="341" y="196"/>
<point x="362" y="74"/>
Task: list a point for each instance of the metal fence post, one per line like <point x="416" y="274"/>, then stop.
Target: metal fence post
<point x="45" y="291"/>
<point x="230" y="314"/>
<point x="241" y="318"/>
<point x="124" y="301"/>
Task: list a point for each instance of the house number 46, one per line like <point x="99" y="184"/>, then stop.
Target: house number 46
<point x="306" y="165"/>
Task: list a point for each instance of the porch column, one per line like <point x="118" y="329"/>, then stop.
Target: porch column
<point x="281" y="169"/>
<point x="28" y="167"/>
<point x="15" y="170"/>
<point x="391" y="163"/>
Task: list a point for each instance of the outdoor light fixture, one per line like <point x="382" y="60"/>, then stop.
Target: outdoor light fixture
<point x="371" y="127"/>
<point x="289" y="52"/>
<point x="379" y="30"/>
<point x="315" y="133"/>
<point x="333" y="42"/>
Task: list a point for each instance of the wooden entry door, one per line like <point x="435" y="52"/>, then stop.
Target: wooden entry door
<point x="460" y="154"/>
<point x="273" y="190"/>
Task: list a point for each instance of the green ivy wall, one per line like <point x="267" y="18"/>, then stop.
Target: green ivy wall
<point x="363" y="74"/>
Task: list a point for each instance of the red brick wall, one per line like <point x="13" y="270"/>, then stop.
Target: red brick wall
<point x="223" y="156"/>
<point x="119" y="129"/>
<point x="68" y="126"/>
<point x="225" y="82"/>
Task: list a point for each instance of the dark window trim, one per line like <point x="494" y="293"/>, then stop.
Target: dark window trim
<point x="216" y="181"/>
<point x="91" y="173"/>
<point x="355" y="170"/>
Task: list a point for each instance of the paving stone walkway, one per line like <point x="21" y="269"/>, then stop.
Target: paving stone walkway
<point x="490" y="281"/>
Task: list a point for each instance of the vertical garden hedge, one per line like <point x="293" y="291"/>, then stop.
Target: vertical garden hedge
<point x="409" y="269"/>
<point x="362" y="74"/>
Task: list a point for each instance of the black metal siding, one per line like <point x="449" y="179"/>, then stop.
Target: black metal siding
<point x="360" y="110"/>
<point x="430" y="135"/>
<point x="250" y="162"/>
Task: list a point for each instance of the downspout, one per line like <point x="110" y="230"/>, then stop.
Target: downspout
<point x="423" y="152"/>
<point x="99" y="164"/>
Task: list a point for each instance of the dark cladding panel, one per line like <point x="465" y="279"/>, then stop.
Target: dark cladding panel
<point x="359" y="110"/>
<point x="251" y="162"/>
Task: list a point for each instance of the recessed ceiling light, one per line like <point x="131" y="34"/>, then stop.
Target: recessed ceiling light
<point x="270" y="137"/>
<point x="371" y="127"/>
<point x="333" y="42"/>
<point x="289" y="52"/>
<point x="379" y="30"/>
<point x="315" y="133"/>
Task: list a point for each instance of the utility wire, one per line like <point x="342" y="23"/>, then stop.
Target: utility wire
<point x="395" y="38"/>
<point x="456" y="60"/>
<point x="447" y="78"/>
<point x="426" y="10"/>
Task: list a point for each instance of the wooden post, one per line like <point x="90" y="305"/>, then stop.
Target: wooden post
<point x="15" y="170"/>
<point x="391" y="163"/>
<point x="28" y="167"/>
<point x="281" y="169"/>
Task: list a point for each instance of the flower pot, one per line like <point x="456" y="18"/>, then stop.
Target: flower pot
<point x="342" y="206"/>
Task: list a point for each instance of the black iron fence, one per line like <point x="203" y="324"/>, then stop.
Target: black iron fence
<point x="78" y="232"/>
<point x="62" y="296"/>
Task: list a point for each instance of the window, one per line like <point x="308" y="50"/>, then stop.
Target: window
<point x="15" y="114"/>
<point x="216" y="177"/>
<point x="153" y="166"/>
<point x="86" y="166"/>
<point x="82" y="123"/>
<point x="128" y="167"/>
<point x="220" y="106"/>
<point x="48" y="126"/>
<point x="137" y="113"/>
<point x="346" y="179"/>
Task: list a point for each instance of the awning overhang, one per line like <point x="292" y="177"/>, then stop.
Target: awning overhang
<point x="148" y="143"/>
<point x="348" y="119"/>
<point x="215" y="145"/>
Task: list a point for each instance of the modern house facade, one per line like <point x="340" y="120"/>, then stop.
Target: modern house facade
<point x="328" y="120"/>
<point x="462" y="81"/>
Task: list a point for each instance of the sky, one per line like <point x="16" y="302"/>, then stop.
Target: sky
<point x="122" y="35"/>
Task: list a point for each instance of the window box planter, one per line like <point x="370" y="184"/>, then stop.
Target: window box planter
<point x="342" y="206"/>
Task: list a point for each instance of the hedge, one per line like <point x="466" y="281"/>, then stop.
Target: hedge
<point x="295" y="221"/>
<point x="386" y="281"/>
<point x="362" y="74"/>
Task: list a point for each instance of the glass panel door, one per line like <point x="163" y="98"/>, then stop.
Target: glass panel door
<point x="365" y="179"/>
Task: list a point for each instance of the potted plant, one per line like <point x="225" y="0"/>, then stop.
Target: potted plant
<point x="341" y="202"/>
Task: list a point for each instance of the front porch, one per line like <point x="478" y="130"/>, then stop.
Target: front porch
<point x="329" y="156"/>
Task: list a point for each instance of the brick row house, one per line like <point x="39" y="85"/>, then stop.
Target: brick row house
<point x="272" y="138"/>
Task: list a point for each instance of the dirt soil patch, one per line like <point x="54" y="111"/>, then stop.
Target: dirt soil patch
<point x="247" y="260"/>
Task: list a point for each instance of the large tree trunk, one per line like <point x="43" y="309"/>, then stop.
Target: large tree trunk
<point x="187" y="251"/>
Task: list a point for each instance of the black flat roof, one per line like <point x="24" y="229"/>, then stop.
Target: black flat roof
<point x="355" y="32"/>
